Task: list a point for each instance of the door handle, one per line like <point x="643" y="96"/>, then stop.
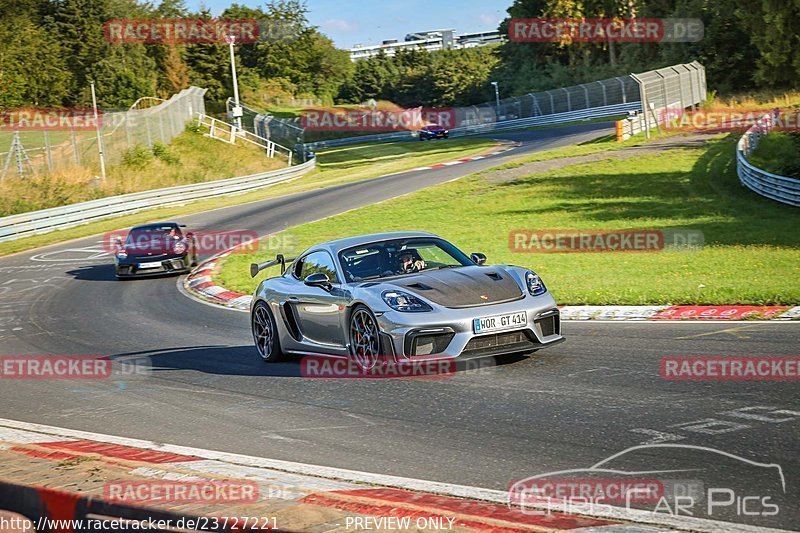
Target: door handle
<point x="294" y="299"/>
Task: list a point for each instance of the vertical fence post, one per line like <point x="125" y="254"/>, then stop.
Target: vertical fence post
<point x="149" y="133"/>
<point x="605" y="96"/>
<point x="48" y="151"/>
<point x="75" y="148"/>
<point x="643" y="96"/>
<point x="128" y="129"/>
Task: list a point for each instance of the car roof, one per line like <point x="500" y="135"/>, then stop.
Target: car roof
<point x="155" y="225"/>
<point x="349" y="242"/>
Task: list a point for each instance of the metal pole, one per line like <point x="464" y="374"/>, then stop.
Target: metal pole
<point x="497" y="96"/>
<point x="643" y="96"/>
<point x="99" y="139"/>
<point x="231" y="40"/>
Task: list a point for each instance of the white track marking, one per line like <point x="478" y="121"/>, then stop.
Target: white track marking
<point x="684" y="523"/>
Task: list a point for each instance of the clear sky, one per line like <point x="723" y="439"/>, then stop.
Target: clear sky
<point x="348" y="22"/>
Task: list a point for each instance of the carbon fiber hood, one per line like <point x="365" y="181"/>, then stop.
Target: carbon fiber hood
<point x="462" y="287"/>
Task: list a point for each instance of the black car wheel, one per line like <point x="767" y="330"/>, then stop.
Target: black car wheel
<point x="365" y="341"/>
<point x="265" y="333"/>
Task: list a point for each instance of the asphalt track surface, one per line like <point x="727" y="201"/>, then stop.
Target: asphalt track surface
<point x="198" y="381"/>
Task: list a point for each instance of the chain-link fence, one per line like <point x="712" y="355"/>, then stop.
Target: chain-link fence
<point x="26" y="152"/>
<point x="283" y="131"/>
<point x="664" y="93"/>
<point x="675" y="87"/>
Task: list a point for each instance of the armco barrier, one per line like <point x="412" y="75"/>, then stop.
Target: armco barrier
<point x="546" y="120"/>
<point x="56" y="218"/>
<point x="779" y="188"/>
<point x="543" y="120"/>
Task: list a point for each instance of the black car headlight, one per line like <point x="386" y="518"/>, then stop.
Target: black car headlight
<point x="122" y="254"/>
<point x="535" y="284"/>
<point x="405" y="302"/>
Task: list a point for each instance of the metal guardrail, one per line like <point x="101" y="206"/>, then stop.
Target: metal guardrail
<point x="229" y="133"/>
<point x="57" y="218"/>
<point x="680" y="86"/>
<point x="547" y="120"/>
<point x="543" y="120"/>
<point x="779" y="188"/>
<point x="376" y="138"/>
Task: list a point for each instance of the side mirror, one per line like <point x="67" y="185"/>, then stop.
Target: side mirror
<point x="478" y="258"/>
<point x="190" y="235"/>
<point x="117" y="243"/>
<point x="320" y="280"/>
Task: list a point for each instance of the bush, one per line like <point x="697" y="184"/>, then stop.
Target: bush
<point x="779" y="153"/>
<point x="194" y="127"/>
<point x="162" y="152"/>
<point x="137" y="157"/>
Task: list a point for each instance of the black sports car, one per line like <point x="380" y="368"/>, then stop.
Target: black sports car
<point x="152" y="249"/>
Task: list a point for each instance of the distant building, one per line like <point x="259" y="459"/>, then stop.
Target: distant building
<point x="431" y="41"/>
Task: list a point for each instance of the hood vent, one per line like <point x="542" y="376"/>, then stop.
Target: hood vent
<point x="494" y="275"/>
<point x="418" y="286"/>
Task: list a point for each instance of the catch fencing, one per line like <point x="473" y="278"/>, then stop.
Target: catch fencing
<point x="57" y="218"/>
<point x="779" y="188"/>
<point x="642" y="96"/>
<point x="24" y="153"/>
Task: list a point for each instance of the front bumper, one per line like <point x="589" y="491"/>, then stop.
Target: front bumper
<point x="449" y="332"/>
<point x="177" y="265"/>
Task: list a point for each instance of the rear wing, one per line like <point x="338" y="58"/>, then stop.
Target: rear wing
<point x="255" y="268"/>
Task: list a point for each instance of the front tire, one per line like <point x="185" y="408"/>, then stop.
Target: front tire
<point x="265" y="333"/>
<point x="365" y="341"/>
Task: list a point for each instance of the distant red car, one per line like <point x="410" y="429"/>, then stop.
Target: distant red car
<point x="433" y="131"/>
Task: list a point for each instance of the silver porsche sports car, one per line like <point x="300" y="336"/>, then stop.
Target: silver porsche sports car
<point x="399" y="296"/>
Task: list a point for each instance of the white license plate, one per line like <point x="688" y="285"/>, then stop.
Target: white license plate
<point x="488" y="324"/>
<point x="150" y="265"/>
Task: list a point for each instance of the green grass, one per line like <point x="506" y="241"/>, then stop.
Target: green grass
<point x="751" y="254"/>
<point x="337" y="166"/>
<point x="190" y="158"/>
<point x="778" y="153"/>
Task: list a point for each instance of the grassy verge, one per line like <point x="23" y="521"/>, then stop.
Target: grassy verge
<point x="751" y="256"/>
<point x="337" y="166"/>
<point x="778" y="153"/>
<point x="190" y="158"/>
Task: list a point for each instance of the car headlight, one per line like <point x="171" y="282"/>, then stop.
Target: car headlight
<point x="122" y="254"/>
<point x="407" y="303"/>
<point x="179" y="247"/>
<point x="535" y="284"/>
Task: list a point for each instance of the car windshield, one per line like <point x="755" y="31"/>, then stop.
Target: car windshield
<point x="398" y="257"/>
<point x="153" y="238"/>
